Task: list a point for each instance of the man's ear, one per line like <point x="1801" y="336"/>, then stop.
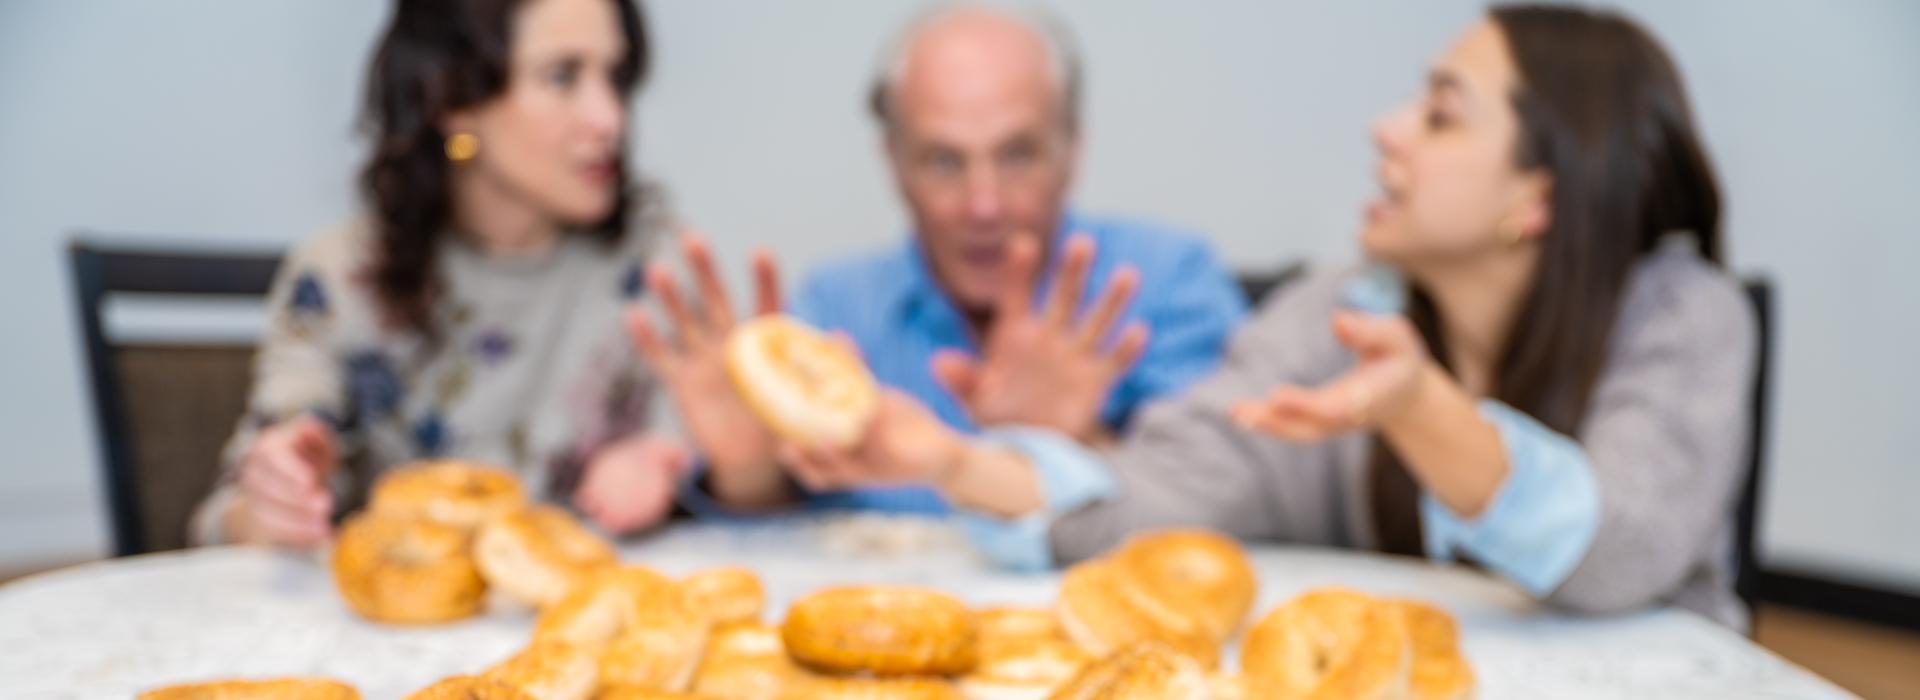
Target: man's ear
<point x="893" y="147"/>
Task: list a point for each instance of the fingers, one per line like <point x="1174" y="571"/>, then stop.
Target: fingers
<point x="676" y="459"/>
<point x="1332" y="407"/>
<point x="281" y="494"/>
<point x="633" y="486"/>
<point x="587" y="499"/>
<point x="611" y="517"/>
<point x="1023" y="259"/>
<point x="1063" y="298"/>
<point x="807" y="469"/>
<point x="686" y="331"/>
<point x="1296" y="414"/>
<point x="645" y="339"/>
<point x="1264" y="418"/>
<point x="616" y="518"/>
<point x="312" y="441"/>
<point x="713" y="295"/>
<point x="644" y="513"/>
<point x="1274" y="421"/>
<point x="766" y="283"/>
<point x="1126" y="351"/>
<point x="823" y="468"/>
<point x="267" y="525"/>
<point x="272" y="486"/>
<point x="697" y="325"/>
<point x="591" y="497"/>
<point x="1373" y="335"/>
<point x="276" y="462"/>
<point x="955" y="371"/>
<point x="1107" y="309"/>
<point x="842" y="340"/>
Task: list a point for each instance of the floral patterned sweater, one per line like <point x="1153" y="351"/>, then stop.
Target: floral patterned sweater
<point x="528" y="367"/>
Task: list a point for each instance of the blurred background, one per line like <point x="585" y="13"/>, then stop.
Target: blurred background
<point x="228" y="124"/>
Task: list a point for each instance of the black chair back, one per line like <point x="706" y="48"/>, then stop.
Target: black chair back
<point x="1255" y="286"/>
<point x="1747" y="511"/>
<point x="161" y="411"/>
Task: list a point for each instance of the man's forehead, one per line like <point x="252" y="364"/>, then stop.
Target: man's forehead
<point x="973" y="48"/>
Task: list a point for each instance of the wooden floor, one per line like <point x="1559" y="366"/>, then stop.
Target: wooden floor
<point x="1870" y="660"/>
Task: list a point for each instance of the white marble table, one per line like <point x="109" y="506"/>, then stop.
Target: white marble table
<point x="109" y="629"/>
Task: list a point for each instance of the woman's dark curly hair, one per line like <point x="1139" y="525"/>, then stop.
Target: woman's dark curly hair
<point x="438" y="56"/>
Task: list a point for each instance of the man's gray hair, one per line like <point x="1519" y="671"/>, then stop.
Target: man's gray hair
<point x="1063" y="56"/>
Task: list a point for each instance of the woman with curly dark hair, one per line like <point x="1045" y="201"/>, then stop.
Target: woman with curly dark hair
<point x="473" y="310"/>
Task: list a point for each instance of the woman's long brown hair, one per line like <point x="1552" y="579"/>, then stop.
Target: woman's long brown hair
<point x="1603" y="113"/>
<point x="438" y="56"/>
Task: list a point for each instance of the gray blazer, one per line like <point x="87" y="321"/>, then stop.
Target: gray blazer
<point x="1666" y="434"/>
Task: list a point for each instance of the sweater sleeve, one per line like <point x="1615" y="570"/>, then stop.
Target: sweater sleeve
<point x="1666" y="436"/>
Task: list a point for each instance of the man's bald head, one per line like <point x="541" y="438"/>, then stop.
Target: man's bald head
<point x="979" y="46"/>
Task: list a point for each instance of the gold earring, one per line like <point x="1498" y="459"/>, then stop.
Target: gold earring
<point x="462" y="147"/>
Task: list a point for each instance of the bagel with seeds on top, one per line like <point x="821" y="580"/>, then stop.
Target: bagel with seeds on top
<point x="536" y="555"/>
<point x="636" y="621"/>
<point x="1329" y="643"/>
<point x="1187" y="589"/>
<point x="403" y="570"/>
<point x="469" y="688"/>
<point x="746" y="661"/>
<point x="1199" y="571"/>
<point x="1440" y="671"/>
<point x="1143" y="671"/>
<point x="452" y="492"/>
<point x="266" y="689"/>
<point x="869" y="688"/>
<point x="882" y="630"/>
<point x="726" y="595"/>
<point x="549" y="671"/>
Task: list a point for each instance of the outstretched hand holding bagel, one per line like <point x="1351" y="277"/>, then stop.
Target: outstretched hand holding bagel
<point x="837" y="428"/>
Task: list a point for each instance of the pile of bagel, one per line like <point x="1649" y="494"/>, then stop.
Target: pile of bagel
<point x="1147" y="621"/>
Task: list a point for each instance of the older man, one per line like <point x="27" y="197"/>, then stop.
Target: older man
<point x="980" y="313"/>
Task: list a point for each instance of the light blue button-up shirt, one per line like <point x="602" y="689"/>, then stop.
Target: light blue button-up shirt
<point x="892" y="307"/>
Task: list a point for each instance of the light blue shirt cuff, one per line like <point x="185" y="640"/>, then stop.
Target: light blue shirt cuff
<point x="1540" y="521"/>
<point x="1377" y="289"/>
<point x="1070" y="476"/>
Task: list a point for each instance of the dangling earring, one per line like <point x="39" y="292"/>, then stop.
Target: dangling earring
<point x="462" y="147"/>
